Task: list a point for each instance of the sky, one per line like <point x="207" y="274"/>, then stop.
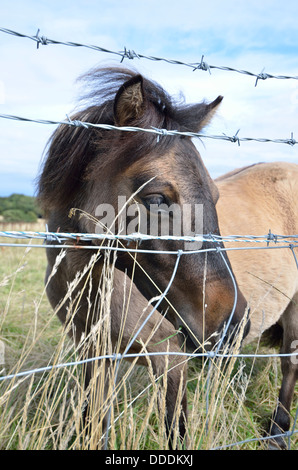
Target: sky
<point x="247" y="35"/>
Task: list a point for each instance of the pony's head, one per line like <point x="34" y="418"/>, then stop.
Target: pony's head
<point x="148" y="183"/>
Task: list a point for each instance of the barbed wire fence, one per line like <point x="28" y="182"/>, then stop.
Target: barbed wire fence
<point x="131" y="54"/>
<point x="67" y="240"/>
<point x="159" y="132"/>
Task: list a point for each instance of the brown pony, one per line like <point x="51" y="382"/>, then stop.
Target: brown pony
<point x="253" y="201"/>
<point x="88" y="168"/>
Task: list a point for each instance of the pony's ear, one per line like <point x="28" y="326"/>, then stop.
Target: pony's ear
<point x="129" y="101"/>
<point x="206" y="112"/>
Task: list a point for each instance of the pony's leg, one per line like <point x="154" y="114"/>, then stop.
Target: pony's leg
<point x="96" y="405"/>
<point x="172" y="370"/>
<point x="289" y="366"/>
<point x="157" y="336"/>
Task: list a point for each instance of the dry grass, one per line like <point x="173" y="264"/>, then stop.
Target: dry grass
<point x="44" y="410"/>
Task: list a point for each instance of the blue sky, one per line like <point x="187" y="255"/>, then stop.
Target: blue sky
<point x="250" y="35"/>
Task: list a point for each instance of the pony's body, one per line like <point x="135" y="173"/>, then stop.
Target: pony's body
<point x="256" y="201"/>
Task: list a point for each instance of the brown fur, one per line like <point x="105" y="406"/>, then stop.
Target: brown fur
<point x="253" y="201"/>
<point x="264" y="198"/>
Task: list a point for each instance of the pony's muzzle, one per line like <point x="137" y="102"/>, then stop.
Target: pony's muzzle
<point x="226" y="337"/>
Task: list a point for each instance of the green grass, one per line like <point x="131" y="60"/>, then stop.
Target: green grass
<point x="43" y="411"/>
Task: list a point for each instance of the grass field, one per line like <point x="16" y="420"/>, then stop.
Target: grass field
<point x="43" y="410"/>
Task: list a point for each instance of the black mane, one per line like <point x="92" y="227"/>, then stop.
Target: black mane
<point x="76" y="154"/>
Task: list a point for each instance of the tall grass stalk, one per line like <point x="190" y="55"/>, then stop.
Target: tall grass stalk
<point x="44" y="410"/>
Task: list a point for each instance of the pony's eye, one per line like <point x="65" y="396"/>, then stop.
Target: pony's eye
<point x="154" y="200"/>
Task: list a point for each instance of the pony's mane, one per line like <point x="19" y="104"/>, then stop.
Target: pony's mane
<point x="75" y="155"/>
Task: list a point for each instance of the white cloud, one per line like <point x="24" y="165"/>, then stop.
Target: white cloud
<point x="245" y="35"/>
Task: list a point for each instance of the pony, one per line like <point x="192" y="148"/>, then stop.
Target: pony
<point x="88" y="170"/>
<point x="257" y="200"/>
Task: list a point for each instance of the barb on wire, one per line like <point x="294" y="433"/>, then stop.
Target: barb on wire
<point x="40" y="39"/>
<point x="262" y="76"/>
<point x="131" y="54"/>
<point x="127" y="53"/>
<point x="153" y="130"/>
<point x="202" y="66"/>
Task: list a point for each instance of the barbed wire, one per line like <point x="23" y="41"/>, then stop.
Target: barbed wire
<point x="159" y="132"/>
<point x="56" y="240"/>
<point x="48" y="236"/>
<point x="131" y="54"/>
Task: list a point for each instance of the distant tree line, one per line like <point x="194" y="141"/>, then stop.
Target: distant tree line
<point x="19" y="208"/>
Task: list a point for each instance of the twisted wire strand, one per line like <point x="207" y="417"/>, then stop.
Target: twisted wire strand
<point x="159" y="132"/>
<point x="131" y="54"/>
<point x="60" y="237"/>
